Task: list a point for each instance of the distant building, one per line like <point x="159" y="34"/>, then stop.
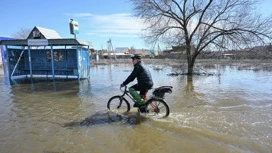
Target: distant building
<point x="124" y="50"/>
<point x="228" y="56"/>
<point x="175" y="52"/>
<point x="119" y="52"/>
<point x="138" y="51"/>
<point x="116" y="55"/>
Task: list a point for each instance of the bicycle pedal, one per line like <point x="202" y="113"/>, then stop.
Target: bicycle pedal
<point x="143" y="109"/>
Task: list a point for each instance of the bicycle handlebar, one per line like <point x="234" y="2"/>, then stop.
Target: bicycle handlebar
<point x="123" y="90"/>
<point x="123" y="87"/>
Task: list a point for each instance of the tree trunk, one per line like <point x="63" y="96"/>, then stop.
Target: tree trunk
<point x="190" y="58"/>
<point x="191" y="62"/>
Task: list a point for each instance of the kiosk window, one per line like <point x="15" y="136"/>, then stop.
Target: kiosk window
<point x="58" y="56"/>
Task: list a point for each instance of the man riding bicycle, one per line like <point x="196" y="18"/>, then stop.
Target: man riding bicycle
<point x="144" y="81"/>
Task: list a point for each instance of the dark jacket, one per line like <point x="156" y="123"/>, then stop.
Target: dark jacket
<point x="143" y="76"/>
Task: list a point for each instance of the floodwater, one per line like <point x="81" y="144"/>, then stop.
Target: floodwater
<point x="230" y="111"/>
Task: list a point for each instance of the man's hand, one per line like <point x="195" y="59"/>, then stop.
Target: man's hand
<point x="121" y="85"/>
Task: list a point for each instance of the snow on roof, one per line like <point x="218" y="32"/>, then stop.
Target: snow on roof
<point x="49" y="33"/>
<point x="46" y="33"/>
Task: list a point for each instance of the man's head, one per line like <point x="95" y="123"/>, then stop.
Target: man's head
<point x="136" y="58"/>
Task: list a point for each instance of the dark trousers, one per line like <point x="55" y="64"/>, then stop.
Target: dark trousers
<point x="142" y="88"/>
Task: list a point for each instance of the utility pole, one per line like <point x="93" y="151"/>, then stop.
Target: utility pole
<point x="110" y="49"/>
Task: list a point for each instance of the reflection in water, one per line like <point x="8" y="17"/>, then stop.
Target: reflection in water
<point x="189" y="85"/>
<point x="101" y="118"/>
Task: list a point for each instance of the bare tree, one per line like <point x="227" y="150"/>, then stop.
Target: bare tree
<point x="203" y="25"/>
<point x="22" y="33"/>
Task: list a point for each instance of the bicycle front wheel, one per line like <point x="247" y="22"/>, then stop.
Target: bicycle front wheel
<point x="158" y="108"/>
<point x="118" y="104"/>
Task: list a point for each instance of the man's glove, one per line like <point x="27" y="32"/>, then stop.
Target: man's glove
<point x="121" y="85"/>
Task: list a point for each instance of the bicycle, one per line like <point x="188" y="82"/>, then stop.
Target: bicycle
<point x="155" y="106"/>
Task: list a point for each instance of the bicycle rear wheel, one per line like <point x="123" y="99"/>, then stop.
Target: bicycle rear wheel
<point x="118" y="104"/>
<point x="158" y="108"/>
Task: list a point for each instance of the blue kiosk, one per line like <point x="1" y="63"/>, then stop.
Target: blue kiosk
<point x="45" y="54"/>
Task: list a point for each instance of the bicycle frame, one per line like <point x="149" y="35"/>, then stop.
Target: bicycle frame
<point x="128" y="94"/>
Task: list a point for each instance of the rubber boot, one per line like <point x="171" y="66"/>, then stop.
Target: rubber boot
<point x="144" y="97"/>
<point x="136" y="96"/>
<point x="143" y="108"/>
